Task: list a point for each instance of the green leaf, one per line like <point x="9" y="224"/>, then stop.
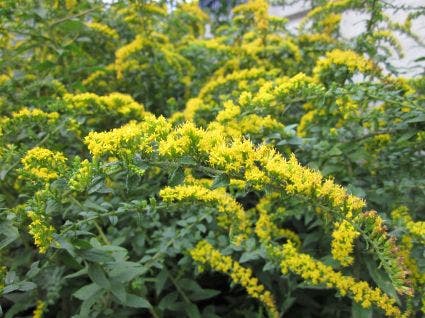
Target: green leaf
<point x="381" y="279"/>
<point x="169" y="301"/>
<point x="160" y="281"/>
<point x="10" y="232"/>
<point x="87" y="291"/>
<point x="203" y="294"/>
<point x="126" y="271"/>
<point x="96" y="255"/>
<point x="137" y="302"/>
<point x="97" y="275"/>
<point x="118" y="290"/>
<point x="357" y="311"/>
<point x="176" y="177"/>
<point x="220" y="181"/>
<point x="192" y="311"/>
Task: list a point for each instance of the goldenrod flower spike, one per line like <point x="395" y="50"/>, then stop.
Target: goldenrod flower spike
<point x="41" y="231"/>
<point x="416" y="229"/>
<point x="44" y="164"/>
<point x="38" y="312"/>
<point x="206" y="255"/>
<point x="233" y="214"/>
<point x="343" y="242"/>
<point x="317" y="273"/>
<point x="103" y="29"/>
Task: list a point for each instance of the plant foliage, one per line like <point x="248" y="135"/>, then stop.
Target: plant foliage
<point x="149" y="167"/>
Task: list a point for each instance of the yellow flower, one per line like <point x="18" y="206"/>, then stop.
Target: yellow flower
<point x="103" y="29"/>
<point x="124" y="52"/>
<point x="317" y="273"/>
<point x="125" y="141"/>
<point x="81" y="179"/>
<point x="90" y="104"/>
<point x="416" y="229"/>
<point x="350" y="59"/>
<point x="234" y="215"/>
<point x="41" y="232"/>
<point x="38" y="312"/>
<point x="44" y="164"/>
<point x="205" y="254"/>
<point x="342" y="242"/>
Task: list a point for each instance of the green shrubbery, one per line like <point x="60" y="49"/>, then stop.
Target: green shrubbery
<point x="149" y="170"/>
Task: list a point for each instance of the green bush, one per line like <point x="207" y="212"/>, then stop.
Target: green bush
<point x="148" y="169"/>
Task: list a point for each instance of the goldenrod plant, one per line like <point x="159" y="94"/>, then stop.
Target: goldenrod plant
<point x="159" y="161"/>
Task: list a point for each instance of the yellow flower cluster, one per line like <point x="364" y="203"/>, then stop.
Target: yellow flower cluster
<point x="205" y="254"/>
<point x="3" y="271"/>
<point x="44" y="164"/>
<point x="81" y="179"/>
<point x="318" y="273"/>
<point x="271" y="45"/>
<point x="316" y="38"/>
<point x="343" y="242"/>
<point x="103" y="29"/>
<point x="327" y="9"/>
<point x="118" y="103"/>
<point x="4" y="78"/>
<point x="183" y="140"/>
<point x="124" y="52"/>
<point x="306" y="121"/>
<point x="128" y="139"/>
<point x="267" y="231"/>
<point x="26" y="115"/>
<point x="234" y="214"/>
<point x="38" y="312"/>
<point x="349" y="59"/>
<point x="198" y="16"/>
<point x="237" y="126"/>
<point x="416" y="229"/>
<point x="237" y="76"/>
<point x="261" y="166"/>
<point x="93" y="77"/>
<point x="330" y="23"/>
<point x="300" y="180"/>
<point x="294" y="84"/>
<point x="406" y="247"/>
<point x="41" y="232"/>
<point x="257" y="8"/>
<point x="34" y="113"/>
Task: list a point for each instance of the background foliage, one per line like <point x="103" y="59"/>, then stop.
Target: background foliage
<point x="148" y="166"/>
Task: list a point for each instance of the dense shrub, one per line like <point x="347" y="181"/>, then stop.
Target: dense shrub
<point x="151" y="168"/>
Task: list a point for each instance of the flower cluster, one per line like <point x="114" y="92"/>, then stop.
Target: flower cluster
<point x="113" y="104"/>
<point x="318" y="273"/>
<point x="103" y="29"/>
<point x="205" y="254"/>
<point x="39" y="310"/>
<point x="128" y="139"/>
<point x="343" y="242"/>
<point x="124" y="52"/>
<point x="25" y="118"/>
<point x="234" y="215"/>
<point x="82" y="177"/>
<point x="349" y="59"/>
<point x="3" y="270"/>
<point x="41" y="231"/>
<point x="44" y="164"/>
<point x="416" y="229"/>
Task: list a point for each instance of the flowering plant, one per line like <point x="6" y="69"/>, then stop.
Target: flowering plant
<point x="148" y="169"/>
